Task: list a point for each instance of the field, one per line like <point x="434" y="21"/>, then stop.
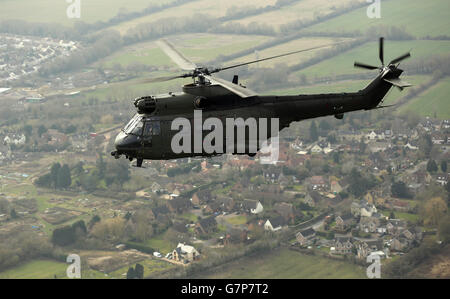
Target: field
<point x="287" y="264"/>
<point x="199" y="48"/>
<point x="210" y="8"/>
<point x="54" y="11"/>
<point x="295" y="45"/>
<point x="433" y="102"/>
<point x="40" y="269"/>
<point x="412" y="15"/>
<point x="305" y="10"/>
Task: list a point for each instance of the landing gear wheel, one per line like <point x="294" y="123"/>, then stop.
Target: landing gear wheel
<point x="139" y="162"/>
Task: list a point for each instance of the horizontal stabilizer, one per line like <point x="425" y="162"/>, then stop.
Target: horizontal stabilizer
<point x="397" y="82"/>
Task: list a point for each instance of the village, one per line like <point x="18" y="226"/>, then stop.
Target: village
<point x="303" y="201"/>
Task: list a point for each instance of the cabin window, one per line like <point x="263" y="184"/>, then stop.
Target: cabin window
<point x="152" y="128"/>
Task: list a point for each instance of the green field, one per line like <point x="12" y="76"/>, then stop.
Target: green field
<point x="287" y="264"/>
<point x="305" y="10"/>
<point x="205" y="7"/>
<point x="434" y="102"/>
<point x="39" y="269"/>
<point x="417" y="17"/>
<point x="54" y="11"/>
<point x="368" y="53"/>
<point x="199" y="48"/>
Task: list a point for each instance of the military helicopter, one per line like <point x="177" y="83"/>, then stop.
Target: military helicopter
<point x="149" y="134"/>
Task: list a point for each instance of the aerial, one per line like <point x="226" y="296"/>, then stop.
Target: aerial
<point x="224" y="140"/>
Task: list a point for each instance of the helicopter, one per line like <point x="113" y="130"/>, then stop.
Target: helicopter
<point x="150" y="133"/>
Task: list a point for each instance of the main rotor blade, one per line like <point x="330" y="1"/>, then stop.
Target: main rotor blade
<point x="365" y="66"/>
<point x="272" y="57"/>
<point x="382" y="50"/>
<point x="400" y="58"/>
<point x="163" y="79"/>
<point x="234" y="88"/>
<point x="177" y="57"/>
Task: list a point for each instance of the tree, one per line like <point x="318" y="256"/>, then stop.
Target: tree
<point x="444" y="229"/>
<point x="444" y="166"/>
<point x="131" y="273"/>
<point x="54" y="174"/>
<point x="64" y="179"/>
<point x="139" y="271"/>
<point x="313" y="134"/>
<point x="95" y="219"/>
<point x="433" y="211"/>
<point x="399" y="189"/>
<point x="392" y="215"/>
<point x="432" y="166"/>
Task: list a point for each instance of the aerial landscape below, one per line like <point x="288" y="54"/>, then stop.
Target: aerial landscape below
<point x="210" y="140"/>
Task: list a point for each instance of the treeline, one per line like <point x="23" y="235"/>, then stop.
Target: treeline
<point x="26" y="246"/>
<point x="235" y="12"/>
<point x="59" y="177"/>
<point x="107" y="43"/>
<point x="80" y="29"/>
<point x="184" y="169"/>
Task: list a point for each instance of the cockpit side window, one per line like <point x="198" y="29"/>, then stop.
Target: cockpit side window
<point x="152" y="127"/>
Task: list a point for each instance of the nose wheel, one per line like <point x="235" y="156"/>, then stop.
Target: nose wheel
<point x="139" y="162"/>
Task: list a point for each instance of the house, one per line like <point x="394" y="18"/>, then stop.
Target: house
<point x="366" y="247"/>
<point x="274" y="224"/>
<point x="369" y="224"/>
<point x="317" y="182"/>
<point x="185" y="253"/>
<point x="344" y="221"/>
<point x="252" y="206"/>
<point x="335" y="187"/>
<point x="343" y="245"/>
<point x="206" y="225"/>
<point x="179" y="204"/>
<point x="306" y="236"/>
<point x="226" y="203"/>
<point x="399" y="244"/>
<point x="362" y="209"/>
<point x="394" y="226"/>
<point x="312" y="198"/>
<point x="285" y="210"/>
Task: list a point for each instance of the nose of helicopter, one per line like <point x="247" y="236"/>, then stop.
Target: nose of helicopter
<point x="126" y="143"/>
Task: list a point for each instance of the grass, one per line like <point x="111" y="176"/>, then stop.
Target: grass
<point x="294" y="45"/>
<point x="53" y="11"/>
<point x="206" y="7"/>
<point x="38" y="269"/>
<point x="285" y="264"/>
<point x="433" y="102"/>
<point x="237" y="220"/>
<point x="405" y="216"/>
<point x="151" y="267"/>
<point x="305" y="10"/>
<point x="417" y="17"/>
<point x="199" y="48"/>
<point x="159" y="244"/>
